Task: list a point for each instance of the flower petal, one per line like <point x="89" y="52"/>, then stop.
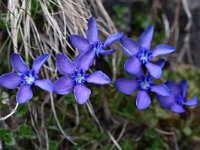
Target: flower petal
<point x="63" y="85"/>
<point x="162" y="50"/>
<point x="184" y="87"/>
<point x="160" y="89"/>
<point x="160" y="63"/>
<point x="154" y="70"/>
<point x="18" y="64"/>
<point x="81" y="93"/>
<point x="64" y="65"/>
<point x="166" y="101"/>
<point x="107" y="52"/>
<point x="38" y="62"/>
<point x="134" y="66"/>
<point x="143" y="100"/>
<point x="98" y="77"/>
<point x="84" y="60"/>
<point x="126" y="85"/>
<point x="177" y="108"/>
<point x="146" y="38"/>
<point x="44" y="84"/>
<point x="113" y="38"/>
<point x="129" y="46"/>
<point x="24" y="94"/>
<point x="173" y="88"/>
<point x="10" y="80"/>
<point x="79" y="42"/>
<point x="192" y="102"/>
<point x="92" y="31"/>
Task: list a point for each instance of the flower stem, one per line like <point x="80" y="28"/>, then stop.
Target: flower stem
<point x="10" y="114"/>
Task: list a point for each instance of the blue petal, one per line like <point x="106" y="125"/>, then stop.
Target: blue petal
<point x="154" y="70"/>
<point x="24" y="94"/>
<point x="160" y="63"/>
<point x="84" y="60"/>
<point x="129" y="46"/>
<point x="10" y="80"/>
<point x="63" y="85"/>
<point x="126" y="85"/>
<point x="18" y="64"/>
<point x="177" y="108"/>
<point x="173" y="88"/>
<point x="92" y="31"/>
<point x="166" y="101"/>
<point x="98" y="77"/>
<point x="160" y="89"/>
<point x="38" y="62"/>
<point x="79" y="42"/>
<point x="143" y="100"/>
<point x="107" y="52"/>
<point x="146" y="38"/>
<point x="134" y="66"/>
<point x="162" y="50"/>
<point x="81" y="93"/>
<point x="64" y="65"/>
<point x="184" y="87"/>
<point x="192" y="102"/>
<point x="44" y="84"/>
<point x="113" y="38"/>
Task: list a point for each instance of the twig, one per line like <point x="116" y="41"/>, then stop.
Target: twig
<point x="122" y="132"/>
<point x="164" y="132"/>
<point x="114" y="141"/>
<point x="57" y="121"/>
<point x="186" y="45"/>
<point x="77" y="115"/>
<point x="91" y="110"/>
<point x="10" y="114"/>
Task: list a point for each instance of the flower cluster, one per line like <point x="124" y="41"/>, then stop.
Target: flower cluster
<point x="140" y="64"/>
<point x="75" y="75"/>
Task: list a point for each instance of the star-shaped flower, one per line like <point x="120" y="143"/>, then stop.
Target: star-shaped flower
<point x="144" y="84"/>
<point x="75" y="76"/>
<point x="140" y="54"/>
<point x="24" y="78"/>
<point x="92" y="45"/>
<point x="177" y="101"/>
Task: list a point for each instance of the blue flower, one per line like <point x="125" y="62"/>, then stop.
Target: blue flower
<point x="144" y="84"/>
<point x="25" y="78"/>
<point x="75" y="76"/>
<point x="177" y="100"/>
<point x="140" y="54"/>
<point x="92" y="45"/>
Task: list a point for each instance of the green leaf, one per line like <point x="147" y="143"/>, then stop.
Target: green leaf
<point x="53" y="145"/>
<point x="25" y="131"/>
<point x="187" y="131"/>
<point x="69" y="98"/>
<point x="9" y="139"/>
<point x="21" y="111"/>
<point x="3" y="132"/>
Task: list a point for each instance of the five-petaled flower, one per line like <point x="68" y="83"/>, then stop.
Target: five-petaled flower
<point x="144" y="84"/>
<point x="177" y="100"/>
<point x="92" y="46"/>
<point x="140" y="54"/>
<point x="75" y="77"/>
<point x="24" y="78"/>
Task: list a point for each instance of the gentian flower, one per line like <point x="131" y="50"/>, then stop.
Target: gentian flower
<point x="92" y="45"/>
<point x="75" y="76"/>
<point x="24" y="78"/>
<point x="140" y="54"/>
<point x="177" y="101"/>
<point x="144" y="84"/>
